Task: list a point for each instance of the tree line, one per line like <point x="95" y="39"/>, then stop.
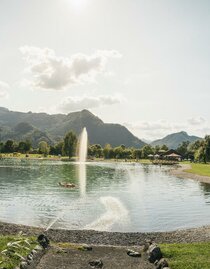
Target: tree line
<point x="197" y="151"/>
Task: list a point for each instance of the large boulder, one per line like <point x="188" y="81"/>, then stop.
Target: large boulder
<point x="154" y="253"/>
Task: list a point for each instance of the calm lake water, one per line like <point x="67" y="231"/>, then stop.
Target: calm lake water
<point x="109" y="196"/>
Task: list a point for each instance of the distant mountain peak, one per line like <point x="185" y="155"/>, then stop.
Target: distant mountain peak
<point x="56" y="126"/>
<point x="172" y="141"/>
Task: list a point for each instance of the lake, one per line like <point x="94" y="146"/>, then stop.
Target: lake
<point x="125" y="197"/>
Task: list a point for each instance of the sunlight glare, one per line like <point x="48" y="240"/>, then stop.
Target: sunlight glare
<point x="78" y="4"/>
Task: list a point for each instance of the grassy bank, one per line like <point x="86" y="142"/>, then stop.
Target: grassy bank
<point x="187" y="256"/>
<point x="13" y="249"/>
<point x="200" y="169"/>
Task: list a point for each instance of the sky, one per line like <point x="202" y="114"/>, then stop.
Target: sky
<point x="141" y="63"/>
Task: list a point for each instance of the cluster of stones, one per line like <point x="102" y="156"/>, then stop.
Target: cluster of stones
<point x="155" y="256"/>
<point x="35" y="253"/>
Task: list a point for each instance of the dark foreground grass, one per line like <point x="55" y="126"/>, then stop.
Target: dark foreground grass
<point x="13" y="249"/>
<point x="187" y="256"/>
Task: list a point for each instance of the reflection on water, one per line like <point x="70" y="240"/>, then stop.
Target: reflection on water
<point x="143" y="197"/>
<point x="82" y="178"/>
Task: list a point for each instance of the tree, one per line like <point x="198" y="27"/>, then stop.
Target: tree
<point x="9" y="146"/>
<point x="207" y="148"/>
<point x="183" y="149"/>
<point x="69" y="145"/>
<point x="164" y="147"/>
<point x="44" y="148"/>
<point x="147" y="150"/>
<point x="57" y="149"/>
<point x="108" y="151"/>
<point x="24" y="146"/>
<point x="95" y="151"/>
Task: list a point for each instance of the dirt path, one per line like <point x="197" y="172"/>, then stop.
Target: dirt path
<point x="111" y="257"/>
<point x="180" y="171"/>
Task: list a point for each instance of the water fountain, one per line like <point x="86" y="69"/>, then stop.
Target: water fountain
<point x="82" y="150"/>
<point x="115" y="212"/>
<point x="82" y="156"/>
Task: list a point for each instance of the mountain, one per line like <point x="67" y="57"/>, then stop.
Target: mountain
<point x="172" y="141"/>
<point x="51" y="128"/>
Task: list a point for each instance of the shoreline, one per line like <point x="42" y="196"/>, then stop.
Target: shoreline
<point x="180" y="171"/>
<point x="200" y="234"/>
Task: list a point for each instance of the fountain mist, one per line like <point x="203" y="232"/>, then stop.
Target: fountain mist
<point x="83" y="142"/>
<point x="115" y="213"/>
<point x="83" y="146"/>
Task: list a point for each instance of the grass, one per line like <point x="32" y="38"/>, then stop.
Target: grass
<point x="187" y="256"/>
<point x="13" y="249"/>
<point x="199" y="169"/>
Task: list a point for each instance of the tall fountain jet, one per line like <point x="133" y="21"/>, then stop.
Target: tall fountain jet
<point x="83" y="143"/>
<point x="83" y="147"/>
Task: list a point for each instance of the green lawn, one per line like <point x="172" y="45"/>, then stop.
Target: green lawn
<point x="187" y="256"/>
<point x="12" y="248"/>
<point x="200" y="169"/>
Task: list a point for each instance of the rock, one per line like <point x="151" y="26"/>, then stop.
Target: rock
<point x="30" y="257"/>
<point x="86" y="247"/>
<point x="133" y="253"/>
<point x="43" y="241"/>
<point x="146" y="245"/>
<point x="96" y="264"/>
<point x="161" y="264"/>
<point x="37" y="248"/>
<point x="154" y="253"/>
<point x="23" y="265"/>
<point x="33" y="252"/>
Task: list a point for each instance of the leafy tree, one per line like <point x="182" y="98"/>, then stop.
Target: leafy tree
<point x="183" y="149"/>
<point x="95" y="151"/>
<point x="57" y="149"/>
<point x="164" y="147"/>
<point x="137" y="154"/>
<point x="24" y="146"/>
<point x="44" y="148"/>
<point x="207" y="148"/>
<point x="108" y="151"/>
<point x="69" y="145"/>
<point x="9" y="146"/>
<point x="146" y="151"/>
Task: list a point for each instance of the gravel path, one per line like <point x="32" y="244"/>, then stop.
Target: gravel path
<point x="201" y="234"/>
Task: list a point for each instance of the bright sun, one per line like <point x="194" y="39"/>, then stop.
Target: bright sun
<point x="78" y="4"/>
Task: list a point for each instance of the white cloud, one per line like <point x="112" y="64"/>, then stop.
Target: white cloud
<point x="87" y="102"/>
<point x="4" y="87"/>
<point x="153" y="130"/>
<point x="196" y="121"/>
<point x="52" y="72"/>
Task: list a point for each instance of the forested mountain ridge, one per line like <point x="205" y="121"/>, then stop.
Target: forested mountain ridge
<point x="52" y="128"/>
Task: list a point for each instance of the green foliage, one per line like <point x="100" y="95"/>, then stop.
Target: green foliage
<point x="69" y="145"/>
<point x="108" y="151"/>
<point x="183" y="149"/>
<point x="57" y="148"/>
<point x="44" y="148"/>
<point x="146" y="151"/>
<point x="187" y="256"/>
<point x="95" y="151"/>
<point x="9" y="146"/>
<point x="24" y="146"/>
<point x="13" y="249"/>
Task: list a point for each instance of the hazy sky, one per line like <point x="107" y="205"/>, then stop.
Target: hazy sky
<point x="144" y="64"/>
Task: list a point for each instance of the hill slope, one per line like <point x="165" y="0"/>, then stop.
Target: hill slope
<point x="54" y="127"/>
<point x="172" y="141"/>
